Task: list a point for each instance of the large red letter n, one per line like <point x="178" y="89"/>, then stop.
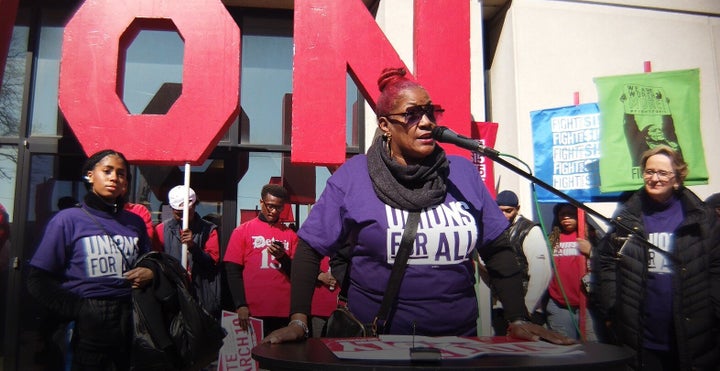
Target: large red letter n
<point x="333" y="38"/>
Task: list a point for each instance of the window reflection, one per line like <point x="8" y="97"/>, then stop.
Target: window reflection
<point x="153" y="58"/>
<point x="47" y="74"/>
<point x="13" y="84"/>
<point x="8" y="167"/>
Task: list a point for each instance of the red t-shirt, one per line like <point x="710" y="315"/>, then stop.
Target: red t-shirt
<point x="142" y="211"/>
<point x="571" y="266"/>
<point x="267" y="288"/>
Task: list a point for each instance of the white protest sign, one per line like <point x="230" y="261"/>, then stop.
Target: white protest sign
<point x="235" y="354"/>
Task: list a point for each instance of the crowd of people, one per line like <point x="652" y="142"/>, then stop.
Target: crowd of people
<point x="651" y="282"/>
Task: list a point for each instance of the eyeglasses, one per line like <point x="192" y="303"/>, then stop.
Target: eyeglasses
<point x="414" y="114"/>
<point x="273" y="207"/>
<point x="662" y="174"/>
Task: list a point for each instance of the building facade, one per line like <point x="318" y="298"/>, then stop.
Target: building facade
<point x="523" y="55"/>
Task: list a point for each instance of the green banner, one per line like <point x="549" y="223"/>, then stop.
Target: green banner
<point x="639" y="112"/>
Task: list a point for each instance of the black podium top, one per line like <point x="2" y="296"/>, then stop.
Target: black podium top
<point x="314" y="355"/>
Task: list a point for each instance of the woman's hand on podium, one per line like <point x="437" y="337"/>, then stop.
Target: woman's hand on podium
<point x="296" y="330"/>
<point x="530" y="331"/>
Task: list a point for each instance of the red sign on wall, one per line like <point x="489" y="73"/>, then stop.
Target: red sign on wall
<point x="486" y="133"/>
<point x="94" y="44"/>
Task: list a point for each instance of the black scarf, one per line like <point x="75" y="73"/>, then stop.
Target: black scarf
<point x="411" y="187"/>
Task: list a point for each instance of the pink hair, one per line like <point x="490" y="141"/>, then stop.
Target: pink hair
<point x="391" y="83"/>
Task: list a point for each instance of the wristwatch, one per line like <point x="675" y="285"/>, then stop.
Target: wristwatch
<point x="302" y="325"/>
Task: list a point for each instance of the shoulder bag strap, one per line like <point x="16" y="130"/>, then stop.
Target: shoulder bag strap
<point x="398" y="271"/>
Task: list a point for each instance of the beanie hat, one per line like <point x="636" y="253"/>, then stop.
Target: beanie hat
<point x="507" y="198"/>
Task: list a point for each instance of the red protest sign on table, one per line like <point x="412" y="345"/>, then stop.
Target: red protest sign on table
<point x="397" y="347"/>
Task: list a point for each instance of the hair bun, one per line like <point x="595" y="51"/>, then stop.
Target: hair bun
<point x="389" y="76"/>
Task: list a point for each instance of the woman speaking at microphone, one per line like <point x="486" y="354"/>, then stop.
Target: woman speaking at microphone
<point x="367" y="201"/>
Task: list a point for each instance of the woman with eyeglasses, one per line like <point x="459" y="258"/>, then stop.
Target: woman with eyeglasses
<point x="662" y="299"/>
<point x="367" y="201"/>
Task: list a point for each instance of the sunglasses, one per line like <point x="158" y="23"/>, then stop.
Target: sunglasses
<point x="414" y="114"/>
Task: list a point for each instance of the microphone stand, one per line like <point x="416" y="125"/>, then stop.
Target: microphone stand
<point x="499" y="160"/>
<point x="495" y="156"/>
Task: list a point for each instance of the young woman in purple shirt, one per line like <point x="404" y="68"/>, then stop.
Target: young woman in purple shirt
<point x="82" y="270"/>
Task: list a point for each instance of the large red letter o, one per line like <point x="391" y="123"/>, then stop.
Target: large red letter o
<point x="211" y="80"/>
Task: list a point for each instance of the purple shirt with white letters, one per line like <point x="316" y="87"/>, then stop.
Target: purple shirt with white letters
<point x="437" y="292"/>
<point x="92" y="255"/>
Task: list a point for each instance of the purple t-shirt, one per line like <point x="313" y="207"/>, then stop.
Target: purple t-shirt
<point x="660" y="224"/>
<point x="90" y="258"/>
<point x="437" y="292"/>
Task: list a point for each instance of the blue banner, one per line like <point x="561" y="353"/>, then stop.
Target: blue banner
<point x="566" y="142"/>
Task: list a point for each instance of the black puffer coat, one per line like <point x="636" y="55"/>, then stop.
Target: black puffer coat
<point x="171" y="330"/>
<point x="696" y="281"/>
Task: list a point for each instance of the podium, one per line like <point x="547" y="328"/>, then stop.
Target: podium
<point x="312" y="354"/>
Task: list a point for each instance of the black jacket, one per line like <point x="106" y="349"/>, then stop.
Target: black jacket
<point x="172" y="331"/>
<point x="205" y="271"/>
<point x="696" y="281"/>
<point x="517" y="231"/>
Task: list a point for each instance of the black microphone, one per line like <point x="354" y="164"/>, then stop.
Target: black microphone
<point x="445" y="135"/>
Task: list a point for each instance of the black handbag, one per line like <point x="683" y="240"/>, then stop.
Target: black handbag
<point x="343" y="324"/>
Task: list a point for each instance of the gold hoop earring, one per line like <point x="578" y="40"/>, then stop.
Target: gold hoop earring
<point x="387" y="138"/>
